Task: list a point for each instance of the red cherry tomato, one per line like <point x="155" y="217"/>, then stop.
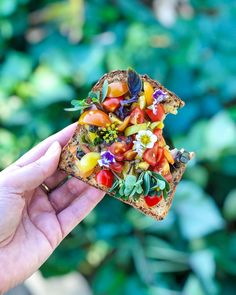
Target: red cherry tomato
<point x="105" y="177"/>
<point x="137" y="116"/>
<point x="111" y="104"/>
<point x="168" y="177"/>
<point x="154" y="155"/>
<point x="117" y="167"/>
<point x="130" y="155"/>
<point x="118" y="149"/>
<point x="159" y="116"/>
<point x="152" y="200"/>
<point x="158" y="132"/>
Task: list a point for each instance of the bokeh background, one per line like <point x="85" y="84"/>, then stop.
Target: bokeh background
<point x="53" y="51"/>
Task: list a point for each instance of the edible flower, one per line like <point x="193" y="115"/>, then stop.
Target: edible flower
<point x="158" y="96"/>
<point x="144" y="139"/>
<point x="107" y="158"/>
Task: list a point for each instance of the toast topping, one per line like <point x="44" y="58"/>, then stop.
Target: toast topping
<point x="123" y="130"/>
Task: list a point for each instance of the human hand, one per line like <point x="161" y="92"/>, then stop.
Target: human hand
<point x="32" y="222"/>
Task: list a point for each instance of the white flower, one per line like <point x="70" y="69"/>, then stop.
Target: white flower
<point x="138" y="148"/>
<point x="146" y="138"/>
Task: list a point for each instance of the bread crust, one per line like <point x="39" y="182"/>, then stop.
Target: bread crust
<point x="68" y="156"/>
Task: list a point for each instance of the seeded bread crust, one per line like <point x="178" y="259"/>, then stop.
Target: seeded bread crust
<point x="68" y="156"/>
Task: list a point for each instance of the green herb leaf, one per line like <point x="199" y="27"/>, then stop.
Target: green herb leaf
<point x="104" y="90"/>
<point x="94" y="94"/>
<point x="146" y="183"/>
<point x="134" y="82"/>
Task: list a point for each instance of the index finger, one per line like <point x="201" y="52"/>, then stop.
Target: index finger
<point x="39" y="150"/>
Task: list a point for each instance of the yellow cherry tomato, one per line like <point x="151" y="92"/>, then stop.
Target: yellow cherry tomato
<point x="148" y="92"/>
<point x="88" y="162"/>
<point x="117" y="89"/>
<point x="94" y="117"/>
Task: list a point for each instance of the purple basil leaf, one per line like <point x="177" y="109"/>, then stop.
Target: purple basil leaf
<point x="134" y="82"/>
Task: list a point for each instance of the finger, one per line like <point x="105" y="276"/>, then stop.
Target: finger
<point x="79" y="209"/>
<point x="58" y="178"/>
<point x="32" y="175"/>
<point x="39" y="150"/>
<point x="63" y="196"/>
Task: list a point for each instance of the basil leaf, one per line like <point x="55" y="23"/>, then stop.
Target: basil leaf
<point x="114" y="186"/>
<point x="146" y="184"/>
<point x="104" y="90"/>
<point x="134" y="82"/>
<point x="165" y="195"/>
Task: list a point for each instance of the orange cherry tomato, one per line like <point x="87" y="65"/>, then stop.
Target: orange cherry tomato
<point x="124" y="124"/>
<point x="168" y="156"/>
<point x="117" y="89"/>
<point x="159" y="116"/>
<point x="152" y="200"/>
<point x="118" y="149"/>
<point x="111" y="104"/>
<point x="162" y="167"/>
<point x="137" y="116"/>
<point x="148" y="92"/>
<point x="94" y="117"/>
<point x="130" y="155"/>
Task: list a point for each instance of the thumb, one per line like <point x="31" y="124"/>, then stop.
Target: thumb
<point x="32" y="175"/>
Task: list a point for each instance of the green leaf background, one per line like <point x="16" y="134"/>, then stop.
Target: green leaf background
<point x="51" y="54"/>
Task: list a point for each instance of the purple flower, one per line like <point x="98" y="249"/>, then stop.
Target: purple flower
<point x="106" y="159"/>
<point x="158" y="96"/>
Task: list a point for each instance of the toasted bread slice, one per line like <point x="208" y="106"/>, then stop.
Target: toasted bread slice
<point x="69" y="156"/>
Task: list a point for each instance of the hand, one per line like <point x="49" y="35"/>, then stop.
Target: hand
<point x="32" y="222"/>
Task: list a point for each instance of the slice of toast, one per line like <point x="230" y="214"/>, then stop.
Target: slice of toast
<point x="69" y="156"/>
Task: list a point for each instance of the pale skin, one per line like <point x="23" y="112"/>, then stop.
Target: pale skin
<point x="32" y="222"/>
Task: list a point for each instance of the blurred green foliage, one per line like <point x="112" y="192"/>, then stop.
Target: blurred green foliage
<point x="53" y="51"/>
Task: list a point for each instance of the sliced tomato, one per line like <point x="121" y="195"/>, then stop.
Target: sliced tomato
<point x="118" y="149"/>
<point x="137" y="116"/>
<point x="152" y="200"/>
<point x="105" y="177"/>
<point x="117" y="167"/>
<point x="168" y="177"/>
<point x="168" y="156"/>
<point x="124" y="124"/>
<point x="130" y="155"/>
<point x="94" y="117"/>
<point x="154" y="155"/>
<point x="159" y="116"/>
<point x="111" y="104"/>
<point x="162" y="167"/>
<point x="161" y="140"/>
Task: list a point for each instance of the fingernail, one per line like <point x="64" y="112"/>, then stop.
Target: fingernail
<point x="53" y="149"/>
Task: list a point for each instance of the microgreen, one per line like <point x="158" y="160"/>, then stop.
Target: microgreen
<point x="147" y="183"/>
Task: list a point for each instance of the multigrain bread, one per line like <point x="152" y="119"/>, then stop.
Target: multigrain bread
<point x="69" y="158"/>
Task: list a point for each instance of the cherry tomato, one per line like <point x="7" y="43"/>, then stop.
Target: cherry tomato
<point x="128" y="141"/>
<point x="168" y="177"/>
<point x="124" y="124"/>
<point x="168" y="156"/>
<point x="154" y="155"/>
<point x="161" y="140"/>
<point x="152" y="200"/>
<point x="117" y="167"/>
<point x="148" y="92"/>
<point x="130" y="155"/>
<point x="162" y="167"/>
<point x="159" y="116"/>
<point x="117" y="89"/>
<point x="118" y="149"/>
<point x="94" y="117"/>
<point x="111" y="104"/>
<point x="137" y="116"/>
<point x="105" y="177"/>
